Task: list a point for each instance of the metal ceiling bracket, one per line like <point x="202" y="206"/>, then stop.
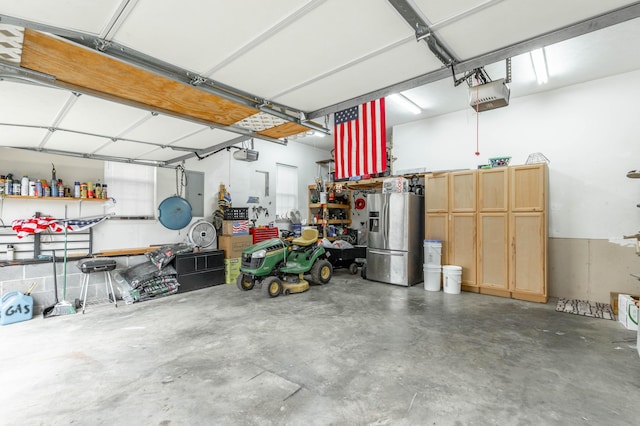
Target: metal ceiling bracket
<point x="197" y="80"/>
<point x="423" y="32"/>
<point x="101" y="45"/>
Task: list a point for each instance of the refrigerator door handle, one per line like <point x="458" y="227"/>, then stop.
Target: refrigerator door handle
<point x="385" y="213"/>
<point x="387" y="253"/>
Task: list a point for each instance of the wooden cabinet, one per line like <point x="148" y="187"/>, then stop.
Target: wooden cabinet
<point x="335" y="211"/>
<point x="512" y="232"/>
<point x="493" y="231"/>
<point x="450" y="205"/>
<point x="494" y="226"/>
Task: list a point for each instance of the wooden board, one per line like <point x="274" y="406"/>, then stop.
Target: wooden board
<point x="95" y="73"/>
<point x="283" y="130"/>
<point x="125" y="252"/>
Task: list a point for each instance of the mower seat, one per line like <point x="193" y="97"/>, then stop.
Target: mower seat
<point x="309" y="236"/>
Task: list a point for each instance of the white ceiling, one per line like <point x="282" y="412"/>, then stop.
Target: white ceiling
<point x="312" y="56"/>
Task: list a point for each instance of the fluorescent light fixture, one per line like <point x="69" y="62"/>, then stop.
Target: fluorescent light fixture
<point x="539" y="62"/>
<point x="405" y="103"/>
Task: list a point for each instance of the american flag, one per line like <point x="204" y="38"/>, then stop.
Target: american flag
<point x="360" y="140"/>
<point x="241" y="227"/>
<point x="75" y="225"/>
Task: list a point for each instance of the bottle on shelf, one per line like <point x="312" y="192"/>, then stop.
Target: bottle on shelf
<point x="8" y="184"/>
<point x="76" y="189"/>
<point x="24" y="186"/>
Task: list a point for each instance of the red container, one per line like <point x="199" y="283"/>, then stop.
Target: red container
<point x="261" y="234"/>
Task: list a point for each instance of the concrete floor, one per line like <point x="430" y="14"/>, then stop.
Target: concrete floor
<point x="350" y="352"/>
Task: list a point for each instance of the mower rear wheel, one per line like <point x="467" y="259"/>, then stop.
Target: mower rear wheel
<point x="322" y="271"/>
<point x="271" y="286"/>
<point x="244" y="282"/>
<point x="353" y="268"/>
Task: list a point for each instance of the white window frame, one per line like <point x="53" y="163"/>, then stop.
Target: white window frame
<point x="133" y="187"/>
<point x="287" y="191"/>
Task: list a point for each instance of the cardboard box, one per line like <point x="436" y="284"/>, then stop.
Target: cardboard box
<point x="628" y="311"/>
<point x="235" y="227"/>
<point x="234" y="244"/>
<point x="232" y="269"/>
<point x="613" y="300"/>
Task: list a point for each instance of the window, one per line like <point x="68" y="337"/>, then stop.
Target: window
<point x="133" y="187"/>
<point x="286" y="189"/>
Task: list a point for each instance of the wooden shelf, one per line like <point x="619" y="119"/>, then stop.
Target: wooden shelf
<point x="26" y="197"/>
<point x="338" y="221"/>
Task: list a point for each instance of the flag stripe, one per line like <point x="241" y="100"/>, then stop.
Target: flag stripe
<point x="360" y="140"/>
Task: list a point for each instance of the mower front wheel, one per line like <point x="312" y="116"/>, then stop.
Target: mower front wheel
<point x="322" y="271"/>
<point x="244" y="282"/>
<point x="271" y="286"/>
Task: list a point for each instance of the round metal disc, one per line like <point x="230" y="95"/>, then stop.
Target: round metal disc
<point x="175" y="212"/>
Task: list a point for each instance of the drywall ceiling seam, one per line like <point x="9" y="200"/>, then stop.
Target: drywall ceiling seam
<point x="73" y="97"/>
<point x="599" y="22"/>
<point x="118" y="18"/>
<point x="343" y="67"/>
<point x="435" y="26"/>
<point x="270" y="32"/>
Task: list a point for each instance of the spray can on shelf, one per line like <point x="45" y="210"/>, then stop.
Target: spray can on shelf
<point x="98" y="190"/>
<point x="104" y="191"/>
<point x="10" y="252"/>
<point x="83" y="190"/>
<point x="39" y="188"/>
<point x="90" y="190"/>
<point x="8" y="185"/>
<point x="76" y="189"/>
<point x="32" y="188"/>
<point x="60" y="188"/>
<point x="24" y="186"/>
<point x="54" y="188"/>
<point x="46" y="189"/>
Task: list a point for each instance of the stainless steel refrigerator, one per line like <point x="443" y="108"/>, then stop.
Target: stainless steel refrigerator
<point x="396" y="236"/>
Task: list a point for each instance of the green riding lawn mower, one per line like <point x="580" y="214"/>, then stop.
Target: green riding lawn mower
<point x="280" y="265"/>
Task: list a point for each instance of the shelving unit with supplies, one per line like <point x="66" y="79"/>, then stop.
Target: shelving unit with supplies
<point x="335" y="211"/>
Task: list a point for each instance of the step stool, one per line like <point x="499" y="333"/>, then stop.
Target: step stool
<point x="93" y="265"/>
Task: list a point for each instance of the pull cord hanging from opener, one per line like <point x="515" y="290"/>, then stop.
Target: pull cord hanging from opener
<point x="181" y="180"/>
<point x="477" y="119"/>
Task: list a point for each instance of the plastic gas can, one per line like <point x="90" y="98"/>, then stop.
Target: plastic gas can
<point x="15" y="307"/>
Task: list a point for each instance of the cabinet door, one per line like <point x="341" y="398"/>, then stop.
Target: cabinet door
<point x="528" y="269"/>
<point x="493" y="190"/>
<point x="436" y="193"/>
<point x="462" y="247"/>
<point x="436" y="228"/>
<point x="462" y="191"/>
<point x="528" y="187"/>
<point x="493" y="253"/>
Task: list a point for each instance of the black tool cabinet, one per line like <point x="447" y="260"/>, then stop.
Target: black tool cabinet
<point x="199" y="270"/>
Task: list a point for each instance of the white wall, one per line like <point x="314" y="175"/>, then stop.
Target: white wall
<point x="239" y="177"/>
<point x="589" y="132"/>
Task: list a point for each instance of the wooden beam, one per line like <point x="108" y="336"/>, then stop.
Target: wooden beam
<point x="283" y="130"/>
<point x="77" y="66"/>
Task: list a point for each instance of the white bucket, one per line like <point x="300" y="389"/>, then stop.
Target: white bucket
<point x="432" y="252"/>
<point x="432" y="277"/>
<point x="452" y="278"/>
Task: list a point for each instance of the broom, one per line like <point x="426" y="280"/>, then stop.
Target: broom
<point x="62" y="307"/>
